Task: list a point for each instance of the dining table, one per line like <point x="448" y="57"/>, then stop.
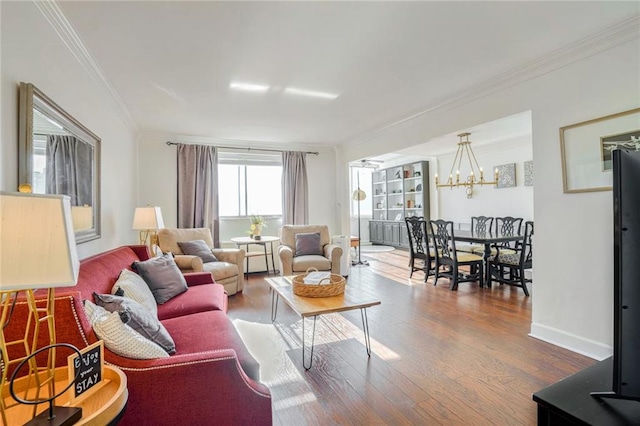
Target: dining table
<point x="486" y="239"/>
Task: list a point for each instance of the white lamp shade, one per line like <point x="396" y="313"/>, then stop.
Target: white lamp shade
<point x="359" y="195"/>
<point x="146" y="218"/>
<point x="82" y="217"/>
<point x="37" y="242"/>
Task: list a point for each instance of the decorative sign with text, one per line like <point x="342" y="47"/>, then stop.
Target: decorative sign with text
<point x="90" y="367"/>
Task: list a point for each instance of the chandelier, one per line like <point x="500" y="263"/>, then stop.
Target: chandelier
<point x="464" y="150"/>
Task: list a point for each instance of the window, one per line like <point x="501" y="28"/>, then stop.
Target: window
<point x="249" y="184"/>
<point x="364" y="175"/>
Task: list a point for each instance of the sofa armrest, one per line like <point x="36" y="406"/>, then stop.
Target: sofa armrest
<point x="189" y="263"/>
<point x="286" y="260"/>
<point x="198" y="278"/>
<point x="212" y="384"/>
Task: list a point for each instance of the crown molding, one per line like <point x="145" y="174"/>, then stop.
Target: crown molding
<point x="601" y="41"/>
<point x="75" y="45"/>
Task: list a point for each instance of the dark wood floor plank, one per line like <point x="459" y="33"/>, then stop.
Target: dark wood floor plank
<point x="438" y="357"/>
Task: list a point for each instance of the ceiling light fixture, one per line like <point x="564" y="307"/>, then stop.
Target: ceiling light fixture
<point x="310" y="93"/>
<point x="248" y="87"/>
<point x="464" y="149"/>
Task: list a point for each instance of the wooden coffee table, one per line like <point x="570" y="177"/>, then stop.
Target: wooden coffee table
<point x="315" y="306"/>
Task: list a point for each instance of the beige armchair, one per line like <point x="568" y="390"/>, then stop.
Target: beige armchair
<point x="229" y="271"/>
<point x="290" y="264"/>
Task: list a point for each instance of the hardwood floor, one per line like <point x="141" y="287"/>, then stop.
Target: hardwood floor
<point x="438" y="357"/>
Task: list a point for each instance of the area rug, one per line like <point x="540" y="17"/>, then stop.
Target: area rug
<point x="376" y="249"/>
<point x="266" y="345"/>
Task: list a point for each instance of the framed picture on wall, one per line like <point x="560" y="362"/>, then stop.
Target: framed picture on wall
<point x="586" y="149"/>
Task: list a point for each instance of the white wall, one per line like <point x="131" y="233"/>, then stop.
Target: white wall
<point x="573" y="260"/>
<point x="488" y="200"/>
<point x="32" y="52"/>
<point x="158" y="186"/>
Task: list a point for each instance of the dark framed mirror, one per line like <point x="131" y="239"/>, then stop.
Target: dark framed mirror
<point x="58" y="155"/>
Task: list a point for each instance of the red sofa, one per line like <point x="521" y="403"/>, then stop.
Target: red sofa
<point x="212" y="378"/>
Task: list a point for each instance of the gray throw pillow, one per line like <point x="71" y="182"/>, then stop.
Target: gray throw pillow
<point x="137" y="317"/>
<point x="308" y="244"/>
<point x="198" y="248"/>
<point x="163" y="277"/>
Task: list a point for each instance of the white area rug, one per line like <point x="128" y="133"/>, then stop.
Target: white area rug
<point x="376" y="249"/>
<point x="267" y="346"/>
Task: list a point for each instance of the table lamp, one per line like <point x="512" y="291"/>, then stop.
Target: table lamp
<point x="148" y="220"/>
<point x="37" y="250"/>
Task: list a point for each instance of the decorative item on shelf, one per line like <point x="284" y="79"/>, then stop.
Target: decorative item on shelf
<point x="417" y="173"/>
<point x="464" y="150"/>
<point x="148" y="220"/>
<point x="409" y="204"/>
<point x="399" y="174"/>
<point x="419" y="187"/>
<point x="257" y="225"/>
<point x="407" y="174"/>
<point x="38" y="247"/>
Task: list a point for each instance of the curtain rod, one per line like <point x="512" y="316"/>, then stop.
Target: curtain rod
<point x="253" y="149"/>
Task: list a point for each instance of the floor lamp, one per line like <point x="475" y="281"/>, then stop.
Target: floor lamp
<point x="359" y="195"/>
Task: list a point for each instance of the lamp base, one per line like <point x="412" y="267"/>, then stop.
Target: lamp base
<point x="62" y="416"/>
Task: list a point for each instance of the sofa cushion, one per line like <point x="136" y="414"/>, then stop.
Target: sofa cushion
<point x="163" y="277"/>
<point x="199" y="298"/>
<point x="198" y="248"/>
<point x="137" y="317"/>
<point x="308" y="243"/>
<point x="209" y="331"/>
<point x="120" y="338"/>
<point x="302" y="263"/>
<point x="133" y="286"/>
<point x="221" y="270"/>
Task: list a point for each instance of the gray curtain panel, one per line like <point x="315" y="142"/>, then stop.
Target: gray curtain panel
<point x="295" y="192"/>
<point x="69" y="168"/>
<point x="198" y="188"/>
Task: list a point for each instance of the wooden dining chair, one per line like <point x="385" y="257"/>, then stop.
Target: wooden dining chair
<point x="514" y="263"/>
<point x="479" y="225"/>
<point x="449" y="260"/>
<point x="506" y="226"/>
<point x="419" y="247"/>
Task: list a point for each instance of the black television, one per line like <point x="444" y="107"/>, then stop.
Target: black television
<point x="626" y="276"/>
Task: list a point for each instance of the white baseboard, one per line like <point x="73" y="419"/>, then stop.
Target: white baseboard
<point x="572" y="342"/>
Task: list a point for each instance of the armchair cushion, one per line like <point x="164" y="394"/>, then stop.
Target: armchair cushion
<point x="137" y="317"/>
<point x="198" y="248"/>
<point x="163" y="277"/>
<point x="120" y="338"/>
<point x="308" y="243"/>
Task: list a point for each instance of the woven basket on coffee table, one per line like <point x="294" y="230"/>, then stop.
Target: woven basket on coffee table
<point x="332" y="286"/>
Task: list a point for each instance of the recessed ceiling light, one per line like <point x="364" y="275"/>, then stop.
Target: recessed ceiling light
<point x="248" y="87"/>
<point x="310" y="93"/>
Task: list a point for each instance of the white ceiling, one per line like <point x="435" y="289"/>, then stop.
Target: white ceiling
<point x="171" y="63"/>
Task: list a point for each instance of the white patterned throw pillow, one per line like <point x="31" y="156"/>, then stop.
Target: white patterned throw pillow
<point x="118" y="337"/>
<point x="134" y="287"/>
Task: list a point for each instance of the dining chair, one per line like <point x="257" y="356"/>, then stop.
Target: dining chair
<point x="515" y="262"/>
<point x="506" y="226"/>
<point x="479" y="225"/>
<point x="449" y="260"/>
<point x="419" y="247"/>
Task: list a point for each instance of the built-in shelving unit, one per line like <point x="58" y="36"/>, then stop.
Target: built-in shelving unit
<point x="398" y="192"/>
